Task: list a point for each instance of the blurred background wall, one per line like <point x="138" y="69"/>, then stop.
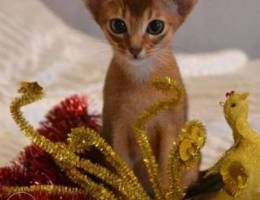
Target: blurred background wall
<point x="214" y="25"/>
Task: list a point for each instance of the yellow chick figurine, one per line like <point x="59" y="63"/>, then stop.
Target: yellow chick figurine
<point x="239" y="168"/>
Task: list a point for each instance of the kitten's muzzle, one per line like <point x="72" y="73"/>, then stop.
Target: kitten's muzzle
<point x="135" y="52"/>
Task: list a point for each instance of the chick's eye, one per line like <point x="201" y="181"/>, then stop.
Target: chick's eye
<point x="233" y="105"/>
<point x="155" y="27"/>
<point x="118" y="26"/>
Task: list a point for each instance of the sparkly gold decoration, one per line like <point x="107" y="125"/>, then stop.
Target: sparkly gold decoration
<point x="122" y="182"/>
<point x="53" y="189"/>
<point x="170" y="86"/>
<point x="185" y="156"/>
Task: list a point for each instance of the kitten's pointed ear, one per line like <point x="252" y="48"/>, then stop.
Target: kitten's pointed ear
<point x="184" y="7"/>
<point x="93" y="6"/>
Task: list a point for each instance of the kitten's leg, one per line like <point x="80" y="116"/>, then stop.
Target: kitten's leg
<point x="168" y="136"/>
<point x="121" y="143"/>
<point x="106" y="131"/>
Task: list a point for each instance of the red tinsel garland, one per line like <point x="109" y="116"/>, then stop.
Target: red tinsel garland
<point x="34" y="166"/>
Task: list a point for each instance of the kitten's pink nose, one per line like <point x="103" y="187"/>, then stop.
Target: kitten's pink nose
<point x="135" y="51"/>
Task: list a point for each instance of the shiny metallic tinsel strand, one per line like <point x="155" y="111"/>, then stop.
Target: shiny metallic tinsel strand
<point x="122" y="180"/>
<point x="195" y="133"/>
<point x="50" y="189"/>
<point x="60" y="152"/>
<point x="91" y="138"/>
<point x="170" y="87"/>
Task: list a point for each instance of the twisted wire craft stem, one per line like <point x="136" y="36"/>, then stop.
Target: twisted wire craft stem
<point x="53" y="189"/>
<point x="113" y="159"/>
<point x="97" y="191"/>
<point x="171" y="194"/>
<point x="176" y="92"/>
<point x="177" y="167"/>
<point x="123" y="179"/>
<point x="32" y="92"/>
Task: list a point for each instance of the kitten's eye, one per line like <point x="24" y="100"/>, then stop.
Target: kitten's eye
<point x="155" y="27"/>
<point x="118" y="26"/>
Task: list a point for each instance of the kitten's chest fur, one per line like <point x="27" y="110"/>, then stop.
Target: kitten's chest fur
<point x="128" y="92"/>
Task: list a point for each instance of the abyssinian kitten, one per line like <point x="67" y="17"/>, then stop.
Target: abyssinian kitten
<point x="140" y="33"/>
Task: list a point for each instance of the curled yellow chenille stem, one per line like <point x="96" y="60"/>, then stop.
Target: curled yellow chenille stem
<point x="52" y="189"/>
<point x="122" y="181"/>
<point x="97" y="191"/>
<point x="68" y="159"/>
<point x="175" y="92"/>
<point x="184" y="156"/>
<point x="81" y="137"/>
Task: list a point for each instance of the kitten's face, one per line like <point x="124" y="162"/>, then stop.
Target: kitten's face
<point x="138" y="29"/>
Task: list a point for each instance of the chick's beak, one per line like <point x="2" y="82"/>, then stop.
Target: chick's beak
<point x="244" y="96"/>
